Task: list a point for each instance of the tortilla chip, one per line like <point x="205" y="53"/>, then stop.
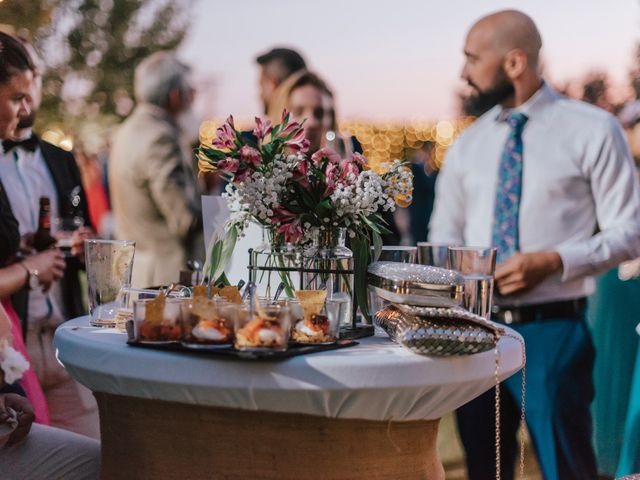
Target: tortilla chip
<point x="154" y="309"/>
<point x="311" y="302"/>
<point x="199" y="291"/>
<point x="230" y="293"/>
<point x="204" y="309"/>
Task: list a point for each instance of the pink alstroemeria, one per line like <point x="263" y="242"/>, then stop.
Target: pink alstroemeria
<point x="327" y="153"/>
<point x="250" y="155"/>
<point x="349" y="167"/>
<point x="262" y="129"/>
<point x="242" y="174"/>
<point x="282" y="215"/>
<point x="226" y="135"/>
<point x="229" y="165"/>
<point x="301" y="173"/>
<point x="360" y="159"/>
<point x="285" y="116"/>
<point x="298" y="143"/>
<point x="292" y="231"/>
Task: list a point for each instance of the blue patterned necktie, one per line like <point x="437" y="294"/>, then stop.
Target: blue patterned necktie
<point x="509" y="189"/>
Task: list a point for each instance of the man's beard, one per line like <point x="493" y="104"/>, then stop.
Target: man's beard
<point x="481" y="102"/>
<point x="28" y="121"/>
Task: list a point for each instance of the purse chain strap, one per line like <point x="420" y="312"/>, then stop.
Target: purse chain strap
<point x="522" y="403"/>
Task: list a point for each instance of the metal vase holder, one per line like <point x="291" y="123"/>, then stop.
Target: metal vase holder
<point x="357" y="328"/>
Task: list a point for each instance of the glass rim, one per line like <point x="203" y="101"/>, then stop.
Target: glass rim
<point x="466" y="248"/>
<point x="169" y="299"/>
<point x="111" y="242"/>
<point x="396" y="248"/>
<point x="434" y="244"/>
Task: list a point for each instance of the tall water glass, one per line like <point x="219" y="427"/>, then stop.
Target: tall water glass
<point x="477" y="265"/>
<point x="109" y="266"/>
<point x="433" y="254"/>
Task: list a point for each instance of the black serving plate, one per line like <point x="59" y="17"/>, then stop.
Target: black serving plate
<point x="294" y="349"/>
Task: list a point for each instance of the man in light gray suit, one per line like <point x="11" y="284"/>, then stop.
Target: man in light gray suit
<point x="152" y="180"/>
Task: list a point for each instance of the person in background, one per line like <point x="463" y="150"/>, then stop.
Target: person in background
<point x="424" y="181"/>
<point x="535" y="177"/>
<point x="31" y="168"/>
<point x="30" y="451"/>
<point x="154" y="192"/>
<point x="279" y="68"/>
<point x="310" y="99"/>
<point x="33" y="451"/>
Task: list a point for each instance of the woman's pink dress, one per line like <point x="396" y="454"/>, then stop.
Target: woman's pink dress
<point x="29" y="382"/>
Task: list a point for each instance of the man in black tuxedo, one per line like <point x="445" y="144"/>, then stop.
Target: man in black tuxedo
<point x="31" y="168"/>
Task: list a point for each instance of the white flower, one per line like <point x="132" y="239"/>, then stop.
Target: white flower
<point x="12" y="362"/>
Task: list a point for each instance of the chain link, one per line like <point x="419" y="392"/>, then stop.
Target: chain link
<point x="522" y="406"/>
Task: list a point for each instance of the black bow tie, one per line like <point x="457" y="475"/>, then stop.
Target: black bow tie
<point x="28" y="144"/>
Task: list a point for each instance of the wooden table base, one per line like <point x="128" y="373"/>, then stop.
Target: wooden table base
<point x="150" y="439"/>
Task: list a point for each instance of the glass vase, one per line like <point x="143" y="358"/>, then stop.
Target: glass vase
<point x="328" y="264"/>
<point x="274" y="262"/>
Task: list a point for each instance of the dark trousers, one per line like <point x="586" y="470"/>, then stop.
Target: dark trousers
<point x="559" y="391"/>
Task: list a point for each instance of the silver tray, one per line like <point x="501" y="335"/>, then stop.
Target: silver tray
<point x="414" y="284"/>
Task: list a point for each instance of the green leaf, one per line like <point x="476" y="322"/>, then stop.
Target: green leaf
<point x="221" y="252"/>
<point x="361" y="246"/>
<point x="377" y="246"/>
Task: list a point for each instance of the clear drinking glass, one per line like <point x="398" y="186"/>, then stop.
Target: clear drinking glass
<point x="109" y="266"/>
<point x="265" y="327"/>
<point x="152" y="324"/>
<point x="477" y="265"/>
<point x="321" y="328"/>
<point x="398" y="253"/>
<point x="433" y="254"/>
<point x="208" y="322"/>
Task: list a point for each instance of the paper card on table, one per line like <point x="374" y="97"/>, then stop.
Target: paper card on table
<point x="215" y="213"/>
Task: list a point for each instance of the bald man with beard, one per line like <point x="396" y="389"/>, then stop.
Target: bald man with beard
<point x="550" y="183"/>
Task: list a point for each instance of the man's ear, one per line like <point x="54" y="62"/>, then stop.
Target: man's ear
<point x="515" y="63"/>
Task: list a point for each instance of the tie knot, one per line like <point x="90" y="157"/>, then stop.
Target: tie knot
<point x="516" y="120"/>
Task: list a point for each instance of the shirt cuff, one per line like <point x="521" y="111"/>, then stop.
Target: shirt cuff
<point x="573" y="261"/>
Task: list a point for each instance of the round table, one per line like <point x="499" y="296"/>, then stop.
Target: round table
<point x="369" y="411"/>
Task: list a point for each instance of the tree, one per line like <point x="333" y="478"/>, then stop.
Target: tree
<point x="91" y="48"/>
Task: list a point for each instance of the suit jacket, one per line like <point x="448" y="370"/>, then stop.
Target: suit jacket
<point x="68" y="185"/>
<point x="154" y="195"/>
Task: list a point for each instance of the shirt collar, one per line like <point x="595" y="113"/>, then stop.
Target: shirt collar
<point x="534" y="107"/>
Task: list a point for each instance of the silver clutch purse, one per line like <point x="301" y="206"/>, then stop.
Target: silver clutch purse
<point x="424" y="315"/>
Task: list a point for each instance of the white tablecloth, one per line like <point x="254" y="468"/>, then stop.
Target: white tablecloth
<point x="376" y="380"/>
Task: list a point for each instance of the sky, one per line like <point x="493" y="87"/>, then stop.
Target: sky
<point x="392" y="60"/>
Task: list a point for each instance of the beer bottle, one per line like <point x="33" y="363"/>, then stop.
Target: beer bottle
<point x="43" y="238"/>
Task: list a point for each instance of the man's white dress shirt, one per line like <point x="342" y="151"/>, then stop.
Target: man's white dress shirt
<point x="580" y="192"/>
<point x="26" y="177"/>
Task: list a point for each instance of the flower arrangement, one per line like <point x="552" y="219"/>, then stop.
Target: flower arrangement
<point x="272" y="181"/>
<point x="12" y="363"/>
